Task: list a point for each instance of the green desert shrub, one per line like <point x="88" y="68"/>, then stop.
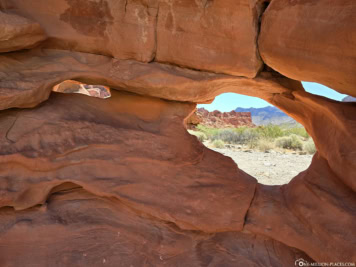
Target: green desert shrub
<point x="209" y="132"/>
<point x="252" y="144"/>
<point x="289" y="142"/>
<point x="264" y="145"/>
<point x="297" y="131"/>
<point x="270" y="131"/>
<point x="235" y="136"/>
<point x="250" y="135"/>
<point x="227" y="135"/>
<point x="283" y="142"/>
<point x="309" y="147"/>
<point x="218" y="144"/>
<point x="261" y="137"/>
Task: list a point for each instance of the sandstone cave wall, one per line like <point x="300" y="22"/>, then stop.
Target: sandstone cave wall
<point x="120" y="182"/>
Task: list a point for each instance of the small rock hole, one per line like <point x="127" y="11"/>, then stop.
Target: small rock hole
<point x="74" y="87"/>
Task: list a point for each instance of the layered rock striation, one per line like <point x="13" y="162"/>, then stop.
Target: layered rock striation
<point x="119" y="182"/>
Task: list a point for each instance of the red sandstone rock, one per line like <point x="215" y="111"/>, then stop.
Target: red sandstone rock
<point x="86" y="182"/>
<point x="217" y="119"/>
<point x="77" y="227"/>
<point x="328" y="122"/>
<point x="311" y="212"/>
<point x="312" y="41"/>
<point x="218" y="36"/>
<point x="18" y="33"/>
<point x="41" y="70"/>
<point x="75" y="178"/>
<point x="122" y="29"/>
<point x="193" y="120"/>
<point x="108" y="147"/>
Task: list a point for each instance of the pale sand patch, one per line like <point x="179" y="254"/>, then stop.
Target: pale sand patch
<point x="273" y="168"/>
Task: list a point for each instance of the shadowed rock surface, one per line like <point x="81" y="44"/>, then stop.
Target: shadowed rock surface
<point x="119" y="182"/>
<point x="106" y="232"/>
<point x="107" y="147"/>
<point x="17" y="33"/>
<point x="80" y="167"/>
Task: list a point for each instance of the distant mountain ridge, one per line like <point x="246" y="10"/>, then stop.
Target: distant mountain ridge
<point x="349" y="99"/>
<point x="268" y="115"/>
<point x="273" y="115"/>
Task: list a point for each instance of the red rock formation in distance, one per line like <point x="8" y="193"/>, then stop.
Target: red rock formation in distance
<point x="120" y="182"/>
<point x="217" y="119"/>
<point x="74" y="87"/>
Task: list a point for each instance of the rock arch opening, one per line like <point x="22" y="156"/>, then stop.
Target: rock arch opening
<point x="261" y="139"/>
<point x="322" y="90"/>
<point x="75" y="87"/>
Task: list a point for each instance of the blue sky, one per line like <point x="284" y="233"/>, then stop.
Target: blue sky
<point x="230" y="101"/>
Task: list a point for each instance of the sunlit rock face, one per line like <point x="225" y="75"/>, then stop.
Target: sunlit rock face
<point x="311" y="41"/>
<point x="218" y="36"/>
<point x="120" y="182"/>
<point x="122" y="29"/>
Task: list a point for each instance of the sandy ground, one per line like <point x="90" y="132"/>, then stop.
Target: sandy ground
<point x="273" y="168"/>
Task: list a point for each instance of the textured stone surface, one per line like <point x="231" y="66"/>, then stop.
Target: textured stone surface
<point x="316" y="210"/>
<point x="88" y="177"/>
<point x="126" y="150"/>
<point x="218" y="36"/>
<point x="18" y="33"/>
<point x="119" y="182"/>
<point x="311" y="213"/>
<point x="108" y="146"/>
<point x="120" y="28"/>
<point x="81" y="229"/>
<point x="27" y="78"/>
<point x="312" y="41"/>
